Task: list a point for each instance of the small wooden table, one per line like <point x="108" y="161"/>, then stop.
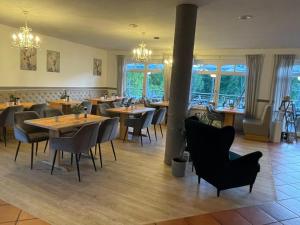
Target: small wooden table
<point x="230" y="115"/>
<point x="96" y="101"/>
<point x="160" y="104"/>
<point x="124" y="114"/>
<point x="65" y="106"/>
<point x="56" y="124"/>
<point x="5" y="105"/>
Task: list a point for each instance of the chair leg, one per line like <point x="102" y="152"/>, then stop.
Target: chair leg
<point x="148" y="134"/>
<point x="218" y="193"/>
<point x="141" y="137"/>
<point x="100" y="155"/>
<point x="162" y="135"/>
<point x="199" y="179"/>
<point x="113" y="148"/>
<point x="4" y="135"/>
<point x="32" y="150"/>
<point x="250" y="189"/>
<point x="91" y="152"/>
<point x="62" y="154"/>
<point x="71" y="158"/>
<point x="17" y="152"/>
<point x="53" y="162"/>
<point x="125" y="134"/>
<point x="46" y="145"/>
<point x="155" y="132"/>
<point x="77" y="164"/>
<point x="192" y="166"/>
<point x="36" y="148"/>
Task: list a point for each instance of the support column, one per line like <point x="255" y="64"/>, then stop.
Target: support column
<point x="186" y="15"/>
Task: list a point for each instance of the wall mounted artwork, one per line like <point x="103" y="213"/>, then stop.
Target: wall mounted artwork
<point x="97" y="67"/>
<point x="28" y="59"/>
<point x="53" y="61"/>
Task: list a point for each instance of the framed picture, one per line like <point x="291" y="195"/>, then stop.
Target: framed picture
<point x="28" y="59"/>
<point x="53" y="61"/>
<point x="97" y="67"/>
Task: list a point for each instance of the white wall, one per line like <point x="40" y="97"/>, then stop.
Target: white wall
<point x="76" y="64"/>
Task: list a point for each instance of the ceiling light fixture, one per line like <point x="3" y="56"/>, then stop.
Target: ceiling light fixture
<point x="245" y="17"/>
<point x="141" y="53"/>
<point x="133" y="25"/>
<point x="168" y="61"/>
<point x="25" y="39"/>
<point x="156" y="38"/>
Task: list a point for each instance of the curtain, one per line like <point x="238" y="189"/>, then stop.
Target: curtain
<point x="120" y="74"/>
<point x="254" y="64"/>
<point x="281" y="81"/>
<point x="167" y="81"/>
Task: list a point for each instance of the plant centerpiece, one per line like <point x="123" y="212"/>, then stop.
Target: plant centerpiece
<point x="64" y="95"/>
<point x="14" y="99"/>
<point x="77" y="110"/>
<point x="231" y="104"/>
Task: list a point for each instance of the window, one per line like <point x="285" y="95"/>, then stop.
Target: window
<point x="219" y="83"/>
<point x="295" y="86"/>
<point x="144" y="79"/>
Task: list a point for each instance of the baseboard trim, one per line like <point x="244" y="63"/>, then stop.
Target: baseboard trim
<point x="254" y="137"/>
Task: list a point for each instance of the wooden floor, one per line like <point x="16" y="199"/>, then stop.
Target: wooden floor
<point x="136" y="189"/>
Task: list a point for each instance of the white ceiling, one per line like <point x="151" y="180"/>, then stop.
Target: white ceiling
<point x="104" y="23"/>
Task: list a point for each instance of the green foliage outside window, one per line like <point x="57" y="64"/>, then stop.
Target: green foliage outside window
<point x="295" y="91"/>
<point x="202" y="88"/>
<point x="155" y="85"/>
<point x="134" y="84"/>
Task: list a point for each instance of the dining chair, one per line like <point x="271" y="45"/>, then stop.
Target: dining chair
<point x="25" y="133"/>
<point x="88" y="105"/>
<point x="102" y="110"/>
<point x="158" y="119"/>
<point x="7" y="119"/>
<point x="213" y="115"/>
<point x="117" y="104"/>
<point x="138" y="124"/>
<point x="81" y="142"/>
<point x="108" y="132"/>
<point x="39" y="108"/>
<point x="52" y="112"/>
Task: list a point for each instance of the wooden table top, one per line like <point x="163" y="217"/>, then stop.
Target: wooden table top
<point x="63" y="102"/>
<point x="135" y="110"/>
<point x="161" y="104"/>
<point x="65" y="121"/>
<point x="5" y="105"/>
<point x="105" y="100"/>
<point x="221" y="109"/>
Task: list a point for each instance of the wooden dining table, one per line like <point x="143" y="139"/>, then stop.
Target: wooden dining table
<point x="56" y="124"/>
<point x="125" y="112"/>
<point x="5" y="105"/>
<point x="63" y="105"/>
<point x="96" y="101"/>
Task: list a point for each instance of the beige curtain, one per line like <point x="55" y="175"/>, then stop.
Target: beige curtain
<point x="167" y="81"/>
<point x="281" y="80"/>
<point x="120" y="74"/>
<point x="254" y="64"/>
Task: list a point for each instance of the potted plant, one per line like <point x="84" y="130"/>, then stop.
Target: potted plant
<point x="77" y="110"/>
<point x="64" y="95"/>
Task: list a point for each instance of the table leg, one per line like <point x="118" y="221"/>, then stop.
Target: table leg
<point x="122" y="126"/>
<point x="229" y="119"/>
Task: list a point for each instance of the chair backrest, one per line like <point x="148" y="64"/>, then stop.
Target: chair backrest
<point x="7" y="116"/>
<point x="209" y="146"/>
<point x="20" y="117"/>
<point x="159" y="116"/>
<point x="102" y="109"/>
<point x="39" y="108"/>
<point x="147" y="119"/>
<point x="52" y="112"/>
<point x="88" y="105"/>
<point x="108" y="130"/>
<point x="212" y="114"/>
<point x="147" y="102"/>
<point x="117" y="104"/>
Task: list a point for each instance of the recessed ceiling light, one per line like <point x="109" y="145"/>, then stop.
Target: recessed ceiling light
<point x="133" y="25"/>
<point x="156" y="38"/>
<point x="245" y="17"/>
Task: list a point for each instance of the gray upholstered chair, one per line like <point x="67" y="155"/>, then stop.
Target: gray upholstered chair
<point x="138" y="124"/>
<point x="213" y="115"/>
<point x="52" y="112"/>
<point x="7" y="119"/>
<point x="108" y="131"/>
<point x="147" y="102"/>
<point x="88" y="105"/>
<point x="39" y="108"/>
<point x="102" y="110"/>
<point x="158" y="119"/>
<point x="117" y="104"/>
<point x="259" y="129"/>
<point x="25" y="133"/>
<point x="81" y="142"/>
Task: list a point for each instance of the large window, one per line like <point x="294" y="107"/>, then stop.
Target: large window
<point x="144" y="80"/>
<point x="295" y="86"/>
<point x="220" y="83"/>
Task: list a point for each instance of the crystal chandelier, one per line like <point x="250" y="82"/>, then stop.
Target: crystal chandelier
<point x="25" y="39"/>
<point x="168" y="61"/>
<point x="141" y="53"/>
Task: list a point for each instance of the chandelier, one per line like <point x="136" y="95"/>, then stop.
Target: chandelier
<point x="25" y="39"/>
<point x="168" y="61"/>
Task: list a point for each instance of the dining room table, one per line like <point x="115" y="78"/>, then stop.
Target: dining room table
<point x="5" y="105"/>
<point x="64" y="105"/>
<point x="96" y="101"/>
<point x="126" y="112"/>
<point x="58" y="123"/>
